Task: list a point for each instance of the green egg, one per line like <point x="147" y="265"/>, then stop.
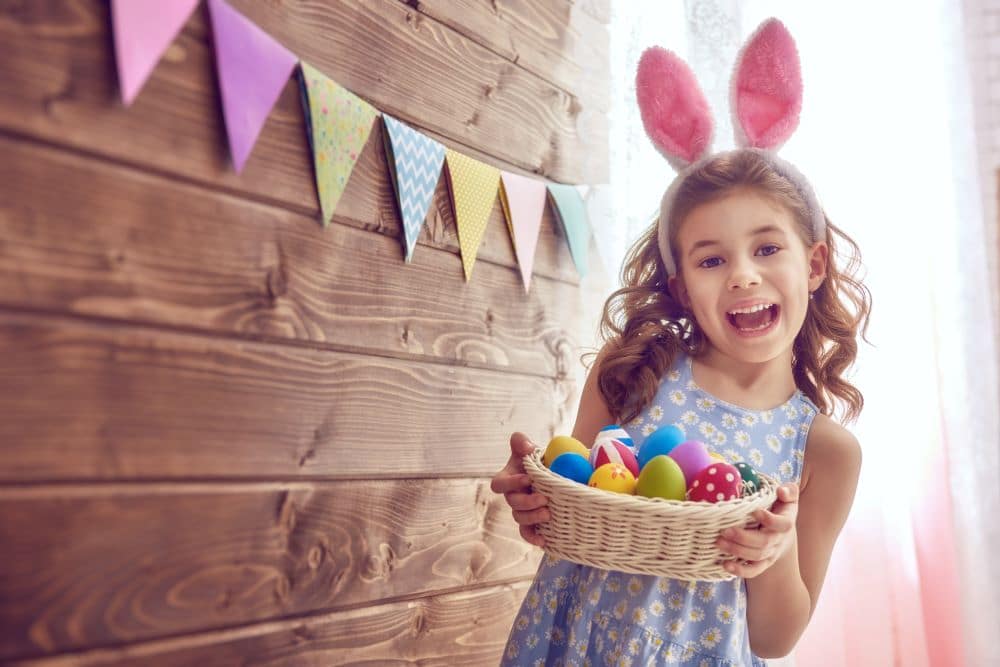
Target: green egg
<point x="751" y="482"/>
<point x="661" y="477"/>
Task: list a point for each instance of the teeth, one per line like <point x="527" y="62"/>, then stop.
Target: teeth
<point x="752" y="309"/>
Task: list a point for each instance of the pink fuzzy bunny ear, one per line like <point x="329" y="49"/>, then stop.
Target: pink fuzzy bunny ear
<point x="767" y="88"/>
<point x="673" y="108"/>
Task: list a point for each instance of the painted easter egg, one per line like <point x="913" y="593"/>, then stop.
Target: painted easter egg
<point x="560" y="445"/>
<point x="717" y="482"/>
<point x="660" y="441"/>
<point x="661" y="477"/>
<point x="614" y="432"/>
<point x="613" y="477"/>
<point x="612" y="451"/>
<point x="692" y="456"/>
<point x="751" y="482"/>
<point x="573" y="466"/>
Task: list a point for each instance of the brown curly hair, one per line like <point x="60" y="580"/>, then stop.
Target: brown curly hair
<point x="644" y="327"/>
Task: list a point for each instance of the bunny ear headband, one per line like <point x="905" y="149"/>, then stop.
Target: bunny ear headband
<point x="766" y="98"/>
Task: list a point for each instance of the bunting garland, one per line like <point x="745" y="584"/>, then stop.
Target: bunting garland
<point x="253" y="68"/>
<point x="473" y="191"/>
<point x="252" y="71"/>
<point x="415" y="164"/>
<point x="572" y="217"/>
<point x="523" y="201"/>
<point x="143" y="29"/>
<point x="338" y="123"/>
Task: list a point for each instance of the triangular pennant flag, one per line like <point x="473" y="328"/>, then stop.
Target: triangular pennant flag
<point x="339" y="123"/>
<point x="572" y="216"/>
<point x="253" y="68"/>
<point x="523" y="202"/>
<point x="143" y="31"/>
<point x="610" y="247"/>
<point x="415" y="162"/>
<point x="473" y="191"/>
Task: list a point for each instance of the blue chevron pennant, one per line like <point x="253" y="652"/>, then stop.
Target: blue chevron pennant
<point x="415" y="162"/>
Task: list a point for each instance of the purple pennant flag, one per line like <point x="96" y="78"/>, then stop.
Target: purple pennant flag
<point x="143" y="31"/>
<point x="253" y="68"/>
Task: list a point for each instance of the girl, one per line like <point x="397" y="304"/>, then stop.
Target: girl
<point x="736" y="324"/>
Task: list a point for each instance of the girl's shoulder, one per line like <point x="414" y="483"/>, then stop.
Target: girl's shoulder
<point x="831" y="448"/>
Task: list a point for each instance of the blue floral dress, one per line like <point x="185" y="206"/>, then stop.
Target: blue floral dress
<point x="579" y="615"/>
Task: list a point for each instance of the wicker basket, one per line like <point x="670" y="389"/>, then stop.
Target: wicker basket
<point x="614" y="531"/>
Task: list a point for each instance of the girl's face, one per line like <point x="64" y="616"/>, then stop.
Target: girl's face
<point x="746" y="274"/>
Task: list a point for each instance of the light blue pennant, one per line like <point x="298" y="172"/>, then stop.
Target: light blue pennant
<point x="415" y="161"/>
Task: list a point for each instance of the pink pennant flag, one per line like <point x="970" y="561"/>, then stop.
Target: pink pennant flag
<point x="143" y="31"/>
<point x="523" y="202"/>
<point x="253" y="68"/>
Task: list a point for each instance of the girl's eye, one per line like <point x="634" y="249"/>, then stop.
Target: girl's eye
<point x="768" y="249"/>
<point x="710" y="262"/>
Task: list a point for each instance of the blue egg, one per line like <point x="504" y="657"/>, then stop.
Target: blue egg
<point x="660" y="441"/>
<point x="572" y="466"/>
<point x="615" y="432"/>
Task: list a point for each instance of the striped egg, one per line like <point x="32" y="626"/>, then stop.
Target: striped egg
<point x="614" y="432"/>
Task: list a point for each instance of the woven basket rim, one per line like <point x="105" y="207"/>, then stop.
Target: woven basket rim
<point x="583" y="492"/>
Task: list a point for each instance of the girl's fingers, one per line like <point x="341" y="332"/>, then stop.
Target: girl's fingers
<point x="532" y="517"/>
<point x="747" y="538"/>
<point x="506" y="483"/>
<point x="746" y="570"/>
<point x="526" y="501"/>
<point x="530" y="535"/>
<point x="740" y="551"/>
<point x="775" y="523"/>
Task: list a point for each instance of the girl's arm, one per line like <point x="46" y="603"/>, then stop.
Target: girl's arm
<point x="782" y="598"/>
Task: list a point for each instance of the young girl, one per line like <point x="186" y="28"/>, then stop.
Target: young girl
<point x="736" y="324"/>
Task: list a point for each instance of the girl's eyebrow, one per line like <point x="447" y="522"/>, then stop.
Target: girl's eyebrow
<point x="766" y="229"/>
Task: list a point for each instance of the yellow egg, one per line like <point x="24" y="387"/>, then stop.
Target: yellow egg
<point x="613" y="477"/>
<point x="562" y="444"/>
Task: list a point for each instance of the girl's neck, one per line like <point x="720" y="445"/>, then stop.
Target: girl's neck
<point x="756" y="386"/>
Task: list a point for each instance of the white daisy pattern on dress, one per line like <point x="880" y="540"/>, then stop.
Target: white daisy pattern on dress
<point x="678" y="397"/>
<point x="705" y="404"/>
<point x="574" y="614"/>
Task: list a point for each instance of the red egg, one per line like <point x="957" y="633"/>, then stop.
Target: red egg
<point x="613" y="451"/>
<point x="718" y="481"/>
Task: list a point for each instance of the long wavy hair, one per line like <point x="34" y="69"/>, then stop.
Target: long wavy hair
<point x="644" y="327"/>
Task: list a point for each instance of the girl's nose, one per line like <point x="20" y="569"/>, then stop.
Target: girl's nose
<point x="743" y="277"/>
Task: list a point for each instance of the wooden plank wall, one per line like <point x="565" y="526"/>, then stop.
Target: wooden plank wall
<point x="230" y="436"/>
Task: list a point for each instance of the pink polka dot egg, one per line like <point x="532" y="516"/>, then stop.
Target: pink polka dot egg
<point x="716" y="482"/>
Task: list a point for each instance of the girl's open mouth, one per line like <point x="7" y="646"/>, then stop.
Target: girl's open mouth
<point x="754" y="321"/>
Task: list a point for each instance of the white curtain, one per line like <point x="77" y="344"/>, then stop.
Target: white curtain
<point x="887" y="139"/>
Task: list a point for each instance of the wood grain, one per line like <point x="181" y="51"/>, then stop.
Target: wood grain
<point x="556" y="40"/>
<point x="467" y="628"/>
<point x="101" y="565"/>
<point x="120" y="244"/>
<point x="93" y="401"/>
<point x="60" y="85"/>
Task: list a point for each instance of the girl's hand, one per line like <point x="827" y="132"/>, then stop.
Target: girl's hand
<point x="527" y="506"/>
<point x="758" y="548"/>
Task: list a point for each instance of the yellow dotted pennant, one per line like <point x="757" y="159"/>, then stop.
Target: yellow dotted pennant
<point x="473" y="191"/>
